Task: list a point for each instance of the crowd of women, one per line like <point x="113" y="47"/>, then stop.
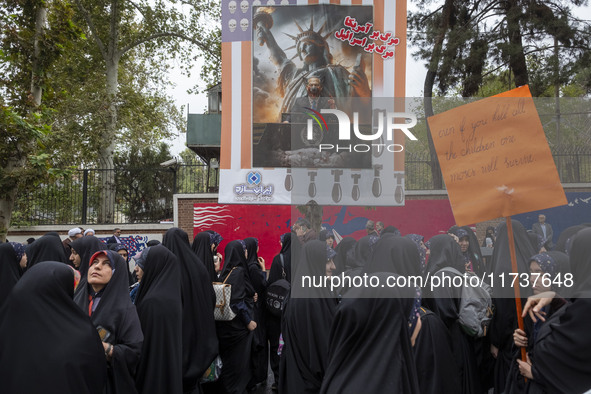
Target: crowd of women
<point x="69" y="324"/>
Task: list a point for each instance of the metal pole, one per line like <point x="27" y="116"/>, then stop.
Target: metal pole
<point x="84" y="196"/>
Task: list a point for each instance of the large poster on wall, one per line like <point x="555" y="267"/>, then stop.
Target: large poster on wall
<point x="308" y="102"/>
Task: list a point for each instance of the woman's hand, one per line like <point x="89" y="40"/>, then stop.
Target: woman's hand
<point x="525" y="368"/>
<point x="108" y="350"/>
<point x="262" y="263"/>
<point x="494" y="351"/>
<point x="535" y="304"/>
<point x="255" y="298"/>
<point x="520" y="338"/>
<point x="252" y="325"/>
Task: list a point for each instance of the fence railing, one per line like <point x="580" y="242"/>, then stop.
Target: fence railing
<point x="145" y="195"/>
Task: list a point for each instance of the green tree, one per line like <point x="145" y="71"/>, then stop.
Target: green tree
<point x="463" y="41"/>
<point x="33" y="35"/>
<point x="157" y="28"/>
<point x="144" y="188"/>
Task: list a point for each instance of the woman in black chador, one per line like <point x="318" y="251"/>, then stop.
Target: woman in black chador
<point x="236" y="336"/>
<point x="444" y="301"/>
<point x="205" y="247"/>
<point x="373" y="337"/>
<point x="307" y="318"/>
<point x="47" y="248"/>
<point x="12" y="262"/>
<point x="48" y="345"/>
<point x="200" y="343"/>
<point x="258" y="278"/>
<point x="105" y="298"/>
<point x="280" y="269"/>
<point x="562" y="362"/>
<point x="504" y="321"/>
<point x="159" y="308"/>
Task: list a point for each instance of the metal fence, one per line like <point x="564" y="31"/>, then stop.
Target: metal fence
<point x="145" y="195"/>
<point x="138" y="195"/>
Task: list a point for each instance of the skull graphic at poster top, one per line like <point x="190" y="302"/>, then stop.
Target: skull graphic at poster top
<point x="232" y="25"/>
<point x="232" y="6"/>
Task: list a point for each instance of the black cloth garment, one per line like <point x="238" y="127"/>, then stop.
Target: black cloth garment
<point x="276" y="271"/>
<point x="474" y="253"/>
<point x="398" y="255"/>
<point x="260" y="348"/>
<point x="445" y="301"/>
<point x="515" y="381"/>
<point x="437" y="370"/>
<point x="340" y="260"/>
<point x="48" y="344"/>
<point x="10" y="270"/>
<point x="202" y="248"/>
<point x="566" y="236"/>
<point x="86" y="247"/>
<point x="504" y="321"/>
<point x="118" y="316"/>
<point x="306" y="325"/>
<point x="369" y="348"/>
<point x="563" y="347"/>
<point x="273" y="323"/>
<point x="235" y="339"/>
<point x="200" y="344"/>
<point x="159" y="307"/>
<point x="46" y="248"/>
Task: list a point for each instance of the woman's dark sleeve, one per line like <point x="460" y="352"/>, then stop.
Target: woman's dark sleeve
<point x="237" y="302"/>
<point x="275" y="273"/>
<point x="126" y="352"/>
<point x="257" y="278"/>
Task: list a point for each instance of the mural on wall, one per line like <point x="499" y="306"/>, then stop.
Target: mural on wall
<point x="133" y="243"/>
<point x="268" y="222"/>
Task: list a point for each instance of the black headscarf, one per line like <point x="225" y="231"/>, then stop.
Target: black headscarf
<point x="390" y="230"/>
<point x="562" y="360"/>
<point x="398" y="255"/>
<point x="364" y="331"/>
<point x="202" y="248"/>
<point x="306" y="325"/>
<point x="504" y="320"/>
<point x="445" y="252"/>
<point x="200" y="344"/>
<point x="55" y="348"/>
<point x="342" y="249"/>
<point x="501" y="258"/>
<point x="46" y="248"/>
<point x="255" y="272"/>
<point x="445" y="302"/>
<point x="10" y="270"/>
<point x="234" y="257"/>
<point x="86" y="247"/>
<point x="437" y="369"/>
<point x="276" y="273"/>
<point x="473" y="252"/>
<point x="418" y="239"/>
<point x="159" y="308"/>
<point x="118" y="315"/>
<point x="566" y="235"/>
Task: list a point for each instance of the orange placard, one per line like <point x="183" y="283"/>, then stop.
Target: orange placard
<point x="495" y="158"/>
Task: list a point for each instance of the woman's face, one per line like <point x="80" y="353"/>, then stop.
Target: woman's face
<point x="23" y="262"/>
<point x="75" y="258"/>
<point x="139" y="273"/>
<point x="329" y="242"/>
<point x="536" y="275"/>
<point x="100" y="272"/>
<point x="123" y="253"/>
<point x="464" y="244"/>
<point x="330" y="267"/>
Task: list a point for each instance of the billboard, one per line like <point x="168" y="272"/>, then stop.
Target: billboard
<point x="308" y="102"/>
